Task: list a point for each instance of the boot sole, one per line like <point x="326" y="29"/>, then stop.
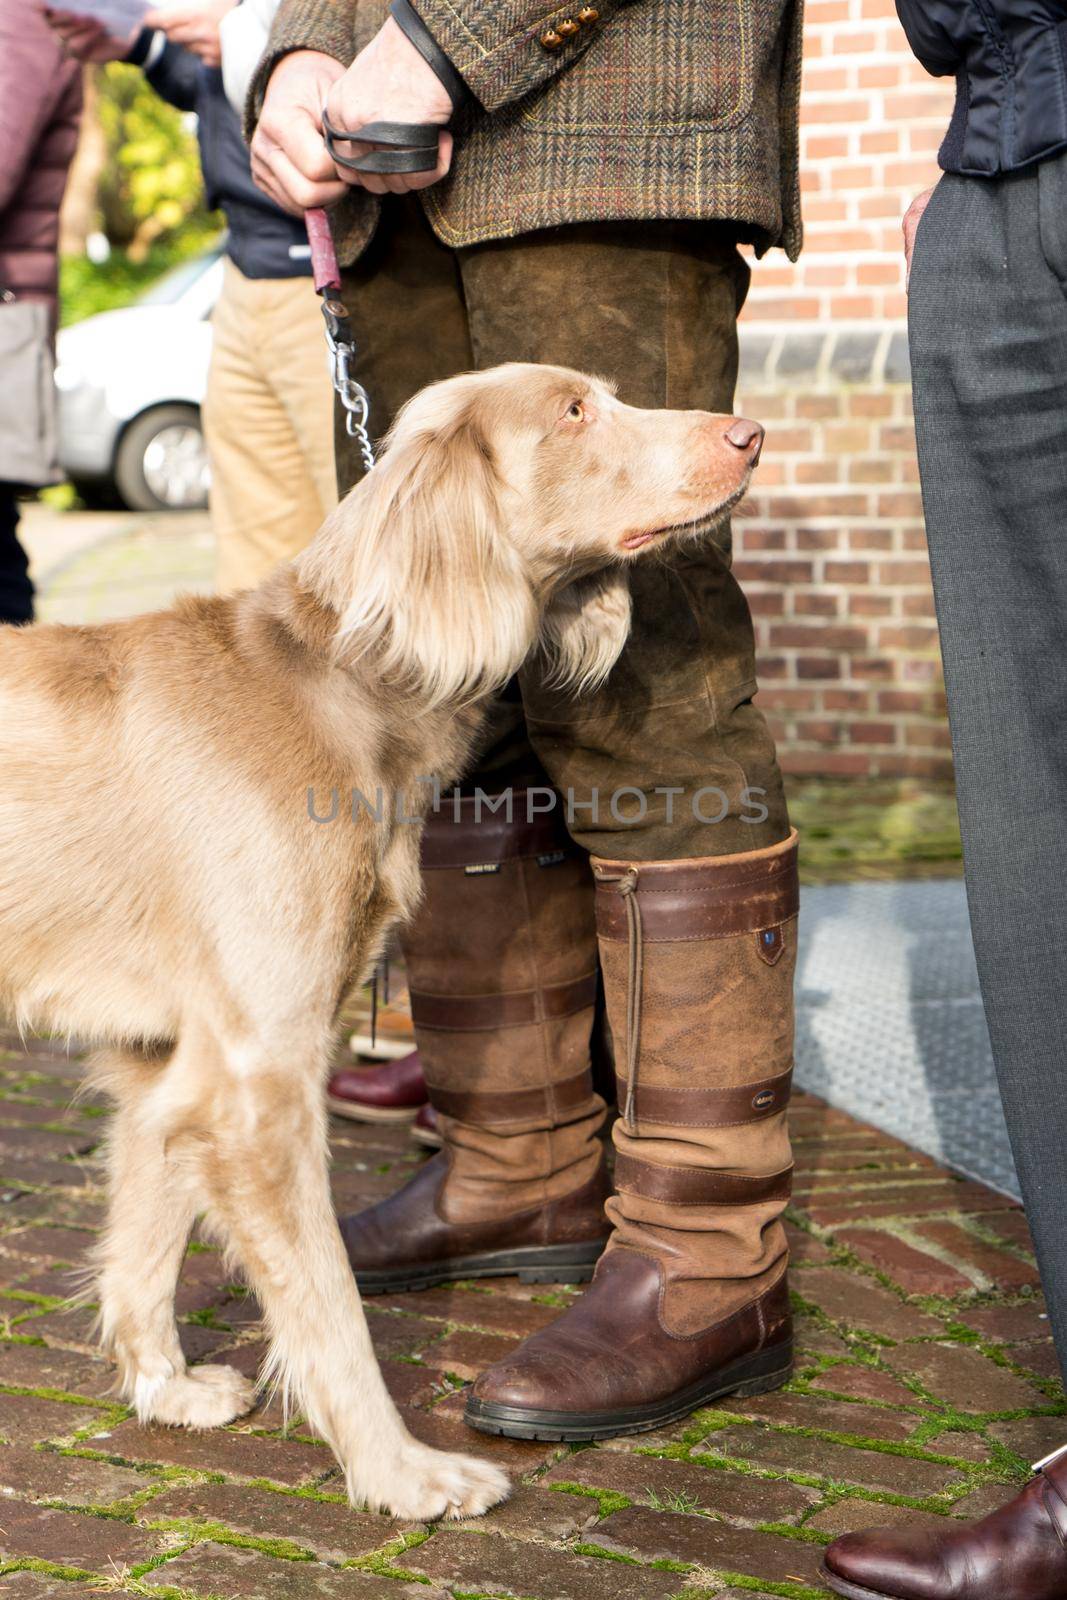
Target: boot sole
<point x="751" y="1375"/>
<point x="851" y="1591"/>
<point x="397" y="1115"/>
<point x="556" y="1263"/>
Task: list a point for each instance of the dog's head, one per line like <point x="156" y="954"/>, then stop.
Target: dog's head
<point x="504" y="512"/>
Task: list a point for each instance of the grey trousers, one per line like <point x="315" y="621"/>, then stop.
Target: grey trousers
<point x="988" y="315"/>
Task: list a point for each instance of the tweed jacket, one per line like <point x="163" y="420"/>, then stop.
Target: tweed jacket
<point x="595" y="110"/>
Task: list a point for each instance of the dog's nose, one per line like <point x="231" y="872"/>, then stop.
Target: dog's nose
<point x="747" y="436"/>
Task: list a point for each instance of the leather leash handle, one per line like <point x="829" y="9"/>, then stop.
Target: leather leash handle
<point x="412" y="146"/>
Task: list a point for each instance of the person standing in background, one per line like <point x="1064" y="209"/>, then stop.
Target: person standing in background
<point x="987" y="252"/>
<point x="40" y="109"/>
<point x="268" y="412"/>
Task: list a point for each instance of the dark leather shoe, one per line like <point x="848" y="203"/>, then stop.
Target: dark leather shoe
<point x="426" y="1129"/>
<point x="393" y="1091"/>
<point x="608" y="1366"/>
<point x="1018" y="1553"/>
<point x="405" y="1242"/>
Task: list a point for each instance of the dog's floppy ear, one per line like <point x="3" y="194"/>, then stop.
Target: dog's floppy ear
<point x="584" y="628"/>
<point x="430" y="581"/>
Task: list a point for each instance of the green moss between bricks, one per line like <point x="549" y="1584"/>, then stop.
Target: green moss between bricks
<point x="607" y="1500"/>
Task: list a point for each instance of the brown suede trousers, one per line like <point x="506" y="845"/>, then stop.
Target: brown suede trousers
<point x="668" y="765"/>
<point x="653" y="307"/>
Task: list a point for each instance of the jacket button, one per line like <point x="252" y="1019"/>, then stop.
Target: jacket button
<point x="551" y="40"/>
<point x="568" y="28"/>
<point x="589" y="14"/>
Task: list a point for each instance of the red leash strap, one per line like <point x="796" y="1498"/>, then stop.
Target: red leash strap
<point x="324" y="268"/>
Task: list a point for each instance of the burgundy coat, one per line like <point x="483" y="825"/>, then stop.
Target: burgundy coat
<point x="40" y="107"/>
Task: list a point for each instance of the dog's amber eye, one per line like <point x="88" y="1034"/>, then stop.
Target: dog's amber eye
<point x="575" y="412"/>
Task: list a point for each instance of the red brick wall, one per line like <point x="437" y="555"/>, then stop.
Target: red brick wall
<point x="832" y="554"/>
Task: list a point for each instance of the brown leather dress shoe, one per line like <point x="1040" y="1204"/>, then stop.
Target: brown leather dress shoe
<point x="1018" y="1553"/>
<point x="407" y="1241"/>
<point x="609" y="1366"/>
<point x="393" y="1091"/>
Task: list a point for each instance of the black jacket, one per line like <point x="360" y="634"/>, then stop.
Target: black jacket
<point x="1010" y="62"/>
<point x="264" y="241"/>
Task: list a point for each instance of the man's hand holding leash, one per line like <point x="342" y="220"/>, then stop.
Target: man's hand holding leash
<point x="390" y="81"/>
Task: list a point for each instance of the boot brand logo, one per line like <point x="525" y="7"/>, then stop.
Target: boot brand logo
<point x="483" y="869"/>
<point x="764" y="1100"/>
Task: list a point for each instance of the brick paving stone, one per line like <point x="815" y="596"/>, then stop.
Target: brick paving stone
<point x="867" y="1469"/>
<point x="70" y="1539"/>
<point x="67" y="1245"/>
<point x="996" y="1268"/>
<point x="216" y="1569"/>
<point x="57" y="1210"/>
<point x="31" y="1144"/>
<point x="1031" y="1438"/>
<point x="238" y="1455"/>
<point x="700" y="1541"/>
<point x="39" y="1366"/>
<point x="535" y="1513"/>
<point x="26" y="1419"/>
<point x="25" y="1113"/>
<point x="804" y="1249"/>
<point x="914" y="1270"/>
<point x="1008" y="1324"/>
<point x="1012" y="1226"/>
<point x="854" y="1516"/>
<point x="1040" y="1357"/>
<point x="988" y="1497"/>
<point x="444" y="1428"/>
<point x="965" y="1378"/>
<point x="722" y="1493"/>
<point x="58" y="1283"/>
<point x="481" y="1563"/>
<point x="909" y="1200"/>
<point x="331" y="1532"/>
<point x="865" y="1383"/>
<point x="412" y="1384"/>
<point x="829" y="1416"/>
<point x="47" y="1475"/>
<point x="72" y="1328"/>
<point x="51" y="1174"/>
<point x="959" y="1443"/>
<point x="38" y="1586"/>
<point x="400" y="1336"/>
<point x="493" y="1311"/>
<point x="811" y="1339"/>
<point x="467" y="1354"/>
<point x="859" y="1303"/>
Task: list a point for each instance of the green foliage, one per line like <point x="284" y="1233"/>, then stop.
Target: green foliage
<point x="151" y="182"/>
<point x="86" y="288"/>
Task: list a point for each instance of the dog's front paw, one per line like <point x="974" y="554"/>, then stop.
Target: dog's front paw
<point x="202" y="1397"/>
<point x="430" y="1486"/>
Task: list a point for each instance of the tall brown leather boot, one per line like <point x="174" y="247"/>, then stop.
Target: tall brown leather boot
<point x="502" y="969"/>
<point x="690" y="1301"/>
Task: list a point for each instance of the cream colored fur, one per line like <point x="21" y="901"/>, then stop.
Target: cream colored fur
<point x="165" y="893"/>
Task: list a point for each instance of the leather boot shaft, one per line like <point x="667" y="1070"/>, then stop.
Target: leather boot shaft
<point x="698" y="959"/>
<point x="502" y="970"/>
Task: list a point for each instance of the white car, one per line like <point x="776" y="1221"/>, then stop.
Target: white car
<point x="131" y="383"/>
